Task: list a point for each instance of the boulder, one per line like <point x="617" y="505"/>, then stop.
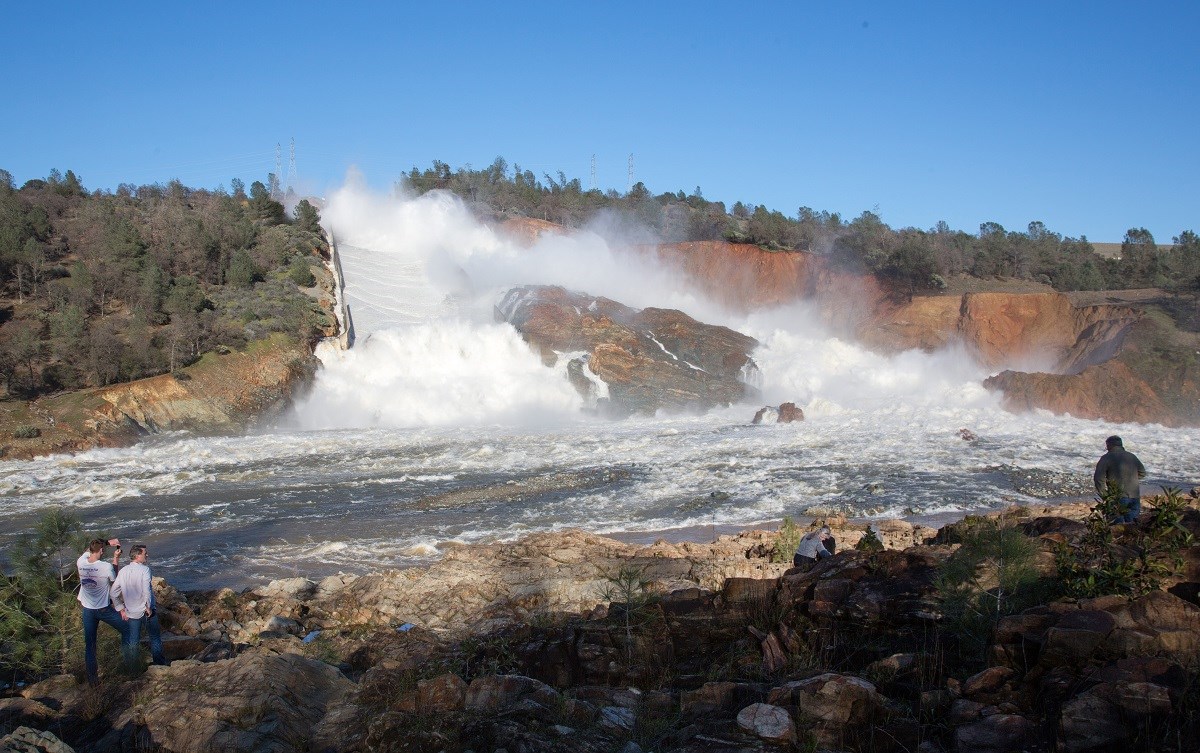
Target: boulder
<point x="636" y="361"/>
<point x="833" y="699"/>
<point x="297" y="589"/>
<point x="1091" y="723"/>
<point x="785" y="414"/>
<point x="447" y="692"/>
<point x="285" y="625"/>
<point x="495" y="694"/>
<point x="998" y="733"/>
<point x="768" y="722"/>
<point x="988" y="681"/>
<point x="723" y="698"/>
<point x="26" y="740"/>
<point x="789" y="412"/>
<point x="255" y="701"/>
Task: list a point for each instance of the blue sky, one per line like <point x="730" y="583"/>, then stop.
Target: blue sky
<point x="1080" y="114"/>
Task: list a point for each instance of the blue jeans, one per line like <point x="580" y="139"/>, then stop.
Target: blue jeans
<point x="133" y="635"/>
<point x="91" y="621"/>
<point x="1132" y="507"/>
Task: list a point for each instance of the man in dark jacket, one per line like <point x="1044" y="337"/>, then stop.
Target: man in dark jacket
<point x="1123" y="470"/>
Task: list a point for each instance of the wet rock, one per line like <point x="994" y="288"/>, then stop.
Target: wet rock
<point x="648" y="359"/>
<point x="785" y="414"/>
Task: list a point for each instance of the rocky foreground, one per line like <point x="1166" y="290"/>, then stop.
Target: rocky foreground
<point x="574" y="642"/>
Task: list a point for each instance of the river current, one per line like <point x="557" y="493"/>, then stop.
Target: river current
<point x="440" y="427"/>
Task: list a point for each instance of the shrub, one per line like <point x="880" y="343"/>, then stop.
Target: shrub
<point x="299" y="272"/>
<point x="27" y="432"/>
<point x="990" y="576"/>
<point x="39" y="618"/>
<point x="786" y="541"/>
<point x="869" y="542"/>
<point x="1130" y="560"/>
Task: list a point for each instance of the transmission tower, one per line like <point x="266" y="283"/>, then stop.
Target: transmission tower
<point x="278" y="171"/>
<point x="593" y="172"/>
<point x="293" y="178"/>
<point x="630" y="189"/>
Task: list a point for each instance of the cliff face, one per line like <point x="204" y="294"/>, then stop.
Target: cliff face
<point x="216" y="395"/>
<point x="742" y="276"/>
<point x="1004" y="328"/>
<point x="1080" y="359"/>
<point x="219" y="393"/>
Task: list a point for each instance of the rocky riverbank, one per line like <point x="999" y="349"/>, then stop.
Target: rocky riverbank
<point x="570" y="641"/>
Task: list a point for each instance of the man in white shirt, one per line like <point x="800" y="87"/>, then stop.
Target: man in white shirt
<point x="95" y="577"/>
<point x="133" y="596"/>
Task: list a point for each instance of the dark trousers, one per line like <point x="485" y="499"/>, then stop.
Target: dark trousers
<point x="91" y="621"/>
<point x="798" y="561"/>
<point x="1132" y="507"/>
<point x="133" y="636"/>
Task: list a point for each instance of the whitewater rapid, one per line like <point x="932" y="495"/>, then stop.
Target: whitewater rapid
<point x="442" y="427"/>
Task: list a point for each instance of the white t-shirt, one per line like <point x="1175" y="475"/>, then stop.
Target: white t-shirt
<point x="95" y="578"/>
<point x="132" y="590"/>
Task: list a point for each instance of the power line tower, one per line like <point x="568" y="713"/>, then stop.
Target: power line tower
<point x="593" y="172"/>
<point x="278" y="172"/>
<point x="630" y="189"/>
<point x="293" y="178"/>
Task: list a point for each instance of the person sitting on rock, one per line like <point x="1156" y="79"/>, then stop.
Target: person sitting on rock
<point x="1121" y="470"/>
<point x="812" y="547"/>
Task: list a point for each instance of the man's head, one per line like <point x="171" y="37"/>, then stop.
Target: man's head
<point x="1114" y="442"/>
<point x="138" y="553"/>
<point x="96" y="546"/>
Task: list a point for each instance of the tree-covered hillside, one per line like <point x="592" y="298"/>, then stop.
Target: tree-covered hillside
<point x="911" y="258"/>
<point x="107" y="287"/>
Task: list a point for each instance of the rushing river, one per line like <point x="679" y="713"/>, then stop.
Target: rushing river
<point x="440" y="426"/>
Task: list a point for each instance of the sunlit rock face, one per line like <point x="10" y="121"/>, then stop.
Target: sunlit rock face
<point x="1108" y="391"/>
<point x="1054" y="355"/>
<point x="630" y="360"/>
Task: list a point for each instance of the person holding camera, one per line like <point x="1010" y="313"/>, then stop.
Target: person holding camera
<point x="133" y="596"/>
<point x="95" y="578"/>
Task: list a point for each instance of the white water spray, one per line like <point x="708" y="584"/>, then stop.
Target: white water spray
<point x="423" y="277"/>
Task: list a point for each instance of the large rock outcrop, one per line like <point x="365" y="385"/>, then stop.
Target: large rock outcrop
<point x="1057" y="356"/>
<point x="1005" y="328"/>
<point x="220" y="393"/>
<point x="630" y="360"/>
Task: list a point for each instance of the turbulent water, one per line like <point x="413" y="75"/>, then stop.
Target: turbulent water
<point x="441" y="426"/>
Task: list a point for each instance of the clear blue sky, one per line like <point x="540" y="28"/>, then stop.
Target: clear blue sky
<point x="1083" y="115"/>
